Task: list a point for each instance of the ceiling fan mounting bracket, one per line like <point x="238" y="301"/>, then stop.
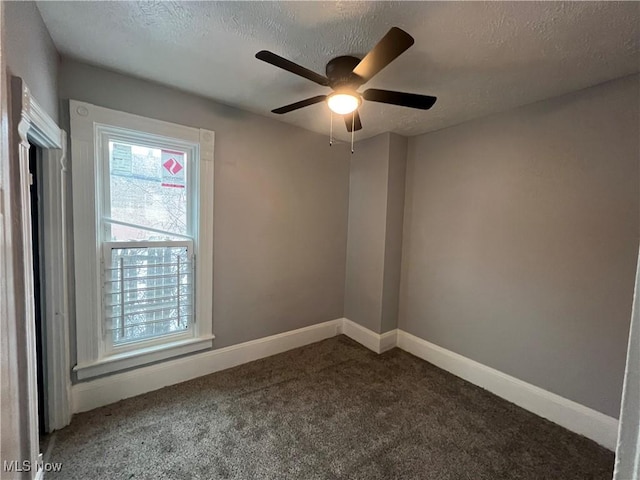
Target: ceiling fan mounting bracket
<point x="340" y="72"/>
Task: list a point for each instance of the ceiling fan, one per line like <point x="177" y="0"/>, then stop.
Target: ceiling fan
<point x="345" y="74"/>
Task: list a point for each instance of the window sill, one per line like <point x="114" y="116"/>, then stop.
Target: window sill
<point x="144" y="356"/>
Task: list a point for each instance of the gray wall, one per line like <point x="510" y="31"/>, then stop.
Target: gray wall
<point x="31" y="54"/>
<point x="367" y="225"/>
<point x="393" y="234"/>
<point x="281" y="205"/>
<point x="374" y="246"/>
<point x="521" y="236"/>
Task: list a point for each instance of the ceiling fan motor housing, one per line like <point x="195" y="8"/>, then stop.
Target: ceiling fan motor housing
<point x="340" y="72"/>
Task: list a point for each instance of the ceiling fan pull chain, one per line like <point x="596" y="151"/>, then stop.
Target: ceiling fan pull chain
<point x="353" y="124"/>
<point x="331" y="129"/>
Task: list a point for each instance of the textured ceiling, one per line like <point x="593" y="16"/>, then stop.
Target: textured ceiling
<point x="477" y="58"/>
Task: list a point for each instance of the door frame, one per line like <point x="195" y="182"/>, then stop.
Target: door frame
<point x="36" y="126"/>
<point x="627" y="465"/>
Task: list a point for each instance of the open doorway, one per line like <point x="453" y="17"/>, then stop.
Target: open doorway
<point x="35" y="175"/>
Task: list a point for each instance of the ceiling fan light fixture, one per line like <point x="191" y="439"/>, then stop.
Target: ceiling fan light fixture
<point x="343" y="103"/>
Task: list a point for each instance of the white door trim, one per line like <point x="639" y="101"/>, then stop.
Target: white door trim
<point x="54" y="269"/>
<point x="35" y="125"/>
<point x="627" y="465"/>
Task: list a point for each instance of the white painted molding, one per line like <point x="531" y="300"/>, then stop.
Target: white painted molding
<point x="92" y="127"/>
<point x="104" y="391"/>
<point x="627" y="466"/>
<point x="204" y="243"/>
<point x="141" y="357"/>
<point x="21" y="91"/>
<point x="34" y="125"/>
<point x="595" y="425"/>
<point x="573" y="416"/>
<point x="373" y="341"/>
<point x="42" y="129"/>
<point x="388" y="340"/>
<point x="56" y="286"/>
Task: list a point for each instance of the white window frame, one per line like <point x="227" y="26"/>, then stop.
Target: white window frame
<point x="89" y="123"/>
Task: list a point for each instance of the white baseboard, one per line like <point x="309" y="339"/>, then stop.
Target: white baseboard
<point x="103" y="391"/>
<point x="573" y="416"/>
<point x="388" y="340"/>
<point x="373" y="341"/>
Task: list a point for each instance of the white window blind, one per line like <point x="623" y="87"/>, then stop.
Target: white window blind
<point x="148" y="290"/>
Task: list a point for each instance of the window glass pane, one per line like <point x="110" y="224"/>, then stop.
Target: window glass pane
<point x="148" y="292"/>
<point x="148" y="188"/>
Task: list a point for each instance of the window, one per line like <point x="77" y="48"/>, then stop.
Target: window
<point x="143" y="208"/>
<point x="148" y="232"/>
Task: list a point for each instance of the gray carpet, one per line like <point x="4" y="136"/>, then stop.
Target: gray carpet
<point x="331" y="410"/>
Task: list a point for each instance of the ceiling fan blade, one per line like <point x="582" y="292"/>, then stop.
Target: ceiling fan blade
<point x="300" y="104"/>
<point x="411" y="100"/>
<point x="349" y="121"/>
<point x="289" y="66"/>
<point x="387" y="50"/>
